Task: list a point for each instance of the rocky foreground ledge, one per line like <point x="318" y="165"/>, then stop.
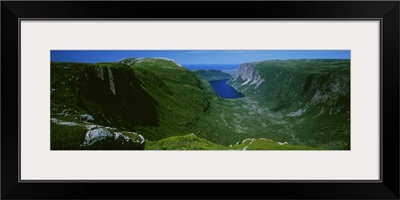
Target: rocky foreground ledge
<point x="100" y="137"/>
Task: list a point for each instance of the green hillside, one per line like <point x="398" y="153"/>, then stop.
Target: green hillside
<point x="109" y="92"/>
<point x="186" y="142"/>
<point x="181" y="96"/>
<point x="313" y="96"/>
<point x="192" y="142"/>
<point x="154" y="103"/>
<point x="89" y="101"/>
<point x="187" y="104"/>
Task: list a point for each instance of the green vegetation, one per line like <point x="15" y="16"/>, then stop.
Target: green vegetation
<point x="192" y="142"/>
<point x="302" y="102"/>
<point x="212" y="75"/>
<point x="268" y="144"/>
<point x="187" y="142"/>
<point x="312" y="97"/>
<point x="108" y="92"/>
<point x="66" y="137"/>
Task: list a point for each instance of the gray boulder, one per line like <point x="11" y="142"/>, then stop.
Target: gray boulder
<point x="85" y="117"/>
<point x="105" y="138"/>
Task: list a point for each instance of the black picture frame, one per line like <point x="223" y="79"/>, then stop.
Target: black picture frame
<point x="386" y="11"/>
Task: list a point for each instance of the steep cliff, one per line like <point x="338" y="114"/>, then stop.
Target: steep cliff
<point x="289" y="84"/>
<point x="181" y="96"/>
<point x="109" y="92"/>
<point x="311" y="95"/>
<point x="90" y="101"/>
<point x="247" y="76"/>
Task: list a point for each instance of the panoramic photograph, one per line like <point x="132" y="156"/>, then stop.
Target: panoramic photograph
<point x="239" y="100"/>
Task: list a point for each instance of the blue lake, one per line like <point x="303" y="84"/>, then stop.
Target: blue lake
<point x="224" y="90"/>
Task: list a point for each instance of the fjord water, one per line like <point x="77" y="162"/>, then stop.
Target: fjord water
<point x="220" y="86"/>
<point x="227" y="68"/>
<point x="224" y="90"/>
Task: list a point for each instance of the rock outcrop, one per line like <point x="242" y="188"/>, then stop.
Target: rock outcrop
<point x="106" y="138"/>
<point x="297" y="85"/>
<point x="245" y="77"/>
<point x="100" y="137"/>
<point x="110" y="92"/>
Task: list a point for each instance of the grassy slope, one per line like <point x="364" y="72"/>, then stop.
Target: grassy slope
<point x="186" y="142"/>
<point x="179" y="94"/>
<point x="66" y="137"/>
<point x="192" y="142"/>
<point x="169" y="100"/>
<point x="321" y="87"/>
<point x="110" y="92"/>
<point x="188" y="104"/>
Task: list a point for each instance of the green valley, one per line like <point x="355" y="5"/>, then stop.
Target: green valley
<point x="158" y="104"/>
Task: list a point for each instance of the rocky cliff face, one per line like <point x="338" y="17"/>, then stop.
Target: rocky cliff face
<point x="296" y="83"/>
<point x="313" y="96"/>
<point x="104" y="100"/>
<point x="110" y="93"/>
<point x="71" y="134"/>
<point x="245" y="77"/>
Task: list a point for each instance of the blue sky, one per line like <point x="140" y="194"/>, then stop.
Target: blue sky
<point x="195" y="57"/>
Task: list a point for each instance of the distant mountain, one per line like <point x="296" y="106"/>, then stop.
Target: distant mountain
<point x="131" y="61"/>
<point x="212" y="75"/>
